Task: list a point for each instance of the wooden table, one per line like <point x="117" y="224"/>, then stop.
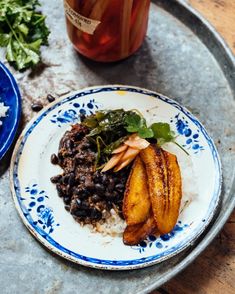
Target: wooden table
<point x="213" y="272"/>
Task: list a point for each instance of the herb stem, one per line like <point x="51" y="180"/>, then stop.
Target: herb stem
<point x="138" y="112"/>
<point x="100" y="167"/>
<point x="98" y="140"/>
<point x="15" y="35"/>
<point x="42" y="17"/>
<point x="180" y="147"/>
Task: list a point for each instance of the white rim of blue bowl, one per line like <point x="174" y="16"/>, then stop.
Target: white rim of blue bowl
<point x="55" y="247"/>
<point x="11" y="136"/>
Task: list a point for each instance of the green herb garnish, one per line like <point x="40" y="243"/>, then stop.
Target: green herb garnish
<point x="107" y="132"/>
<point x="109" y="129"/>
<point x="110" y="125"/>
<point x="163" y="134"/>
<point x="99" y="143"/>
<point x="22" y="32"/>
<point x="112" y="146"/>
<point x="137" y="124"/>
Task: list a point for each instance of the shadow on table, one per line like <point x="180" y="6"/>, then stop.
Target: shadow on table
<point x="138" y="67"/>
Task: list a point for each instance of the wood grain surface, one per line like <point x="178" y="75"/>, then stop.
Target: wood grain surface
<point x="221" y="13"/>
<point x="213" y="272"/>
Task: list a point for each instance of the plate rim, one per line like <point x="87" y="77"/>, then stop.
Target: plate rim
<point x="107" y="266"/>
<point x="11" y="135"/>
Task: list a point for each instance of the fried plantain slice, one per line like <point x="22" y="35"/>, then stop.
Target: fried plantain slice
<point x="165" y="187"/>
<point x="136" y="202"/>
<point x="134" y="234"/>
<point x="174" y="190"/>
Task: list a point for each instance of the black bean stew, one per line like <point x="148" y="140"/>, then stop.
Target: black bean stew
<point x="88" y="194"/>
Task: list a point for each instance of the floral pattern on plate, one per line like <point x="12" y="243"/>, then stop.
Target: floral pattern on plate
<point x="72" y="114"/>
<point x="37" y="202"/>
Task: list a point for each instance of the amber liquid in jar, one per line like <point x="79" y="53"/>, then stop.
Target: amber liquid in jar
<point x="106" y="30"/>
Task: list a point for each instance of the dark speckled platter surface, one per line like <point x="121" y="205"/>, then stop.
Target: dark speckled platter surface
<point x="183" y="58"/>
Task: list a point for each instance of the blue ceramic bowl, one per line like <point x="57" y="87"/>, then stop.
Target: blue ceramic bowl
<point x="10" y="96"/>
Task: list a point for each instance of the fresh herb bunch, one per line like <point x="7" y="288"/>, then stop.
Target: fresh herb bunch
<point x="111" y="128"/>
<point x="22" y="32"/>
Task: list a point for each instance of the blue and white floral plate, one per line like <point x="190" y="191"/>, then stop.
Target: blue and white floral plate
<point x="10" y="96"/>
<point x="42" y="211"/>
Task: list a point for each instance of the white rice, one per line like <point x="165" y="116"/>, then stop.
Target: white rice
<point x="3" y="111"/>
<point x="113" y="226"/>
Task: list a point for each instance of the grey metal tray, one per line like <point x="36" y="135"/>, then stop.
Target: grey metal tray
<point x="184" y="58"/>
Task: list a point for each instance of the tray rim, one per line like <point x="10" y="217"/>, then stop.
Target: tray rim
<point x="219" y="222"/>
<point x="229" y="207"/>
<point x="218" y="41"/>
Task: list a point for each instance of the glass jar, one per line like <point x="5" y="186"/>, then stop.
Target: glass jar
<point x="106" y="30"/>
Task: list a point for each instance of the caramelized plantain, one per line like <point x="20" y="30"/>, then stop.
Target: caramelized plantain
<point x="136" y="202"/>
<point x="165" y="187"/>
<point x="134" y="234"/>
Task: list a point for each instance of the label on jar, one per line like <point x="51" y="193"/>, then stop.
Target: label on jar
<point x="83" y="23"/>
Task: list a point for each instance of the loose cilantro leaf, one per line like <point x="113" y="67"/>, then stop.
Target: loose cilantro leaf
<point x="137" y="124"/>
<point x="4" y="39"/>
<point x="40" y="30"/>
<point x="145" y="133"/>
<point x="133" y="122"/>
<point x="22" y="32"/>
<point x="162" y="132"/>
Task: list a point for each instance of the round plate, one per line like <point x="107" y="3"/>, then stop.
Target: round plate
<point x="10" y="96"/>
<point x="42" y="211"/>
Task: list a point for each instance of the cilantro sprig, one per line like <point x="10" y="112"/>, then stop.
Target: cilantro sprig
<point x="159" y="131"/>
<point x="137" y="124"/>
<point x="114" y="127"/>
<point x="22" y="31"/>
<point x="163" y="134"/>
